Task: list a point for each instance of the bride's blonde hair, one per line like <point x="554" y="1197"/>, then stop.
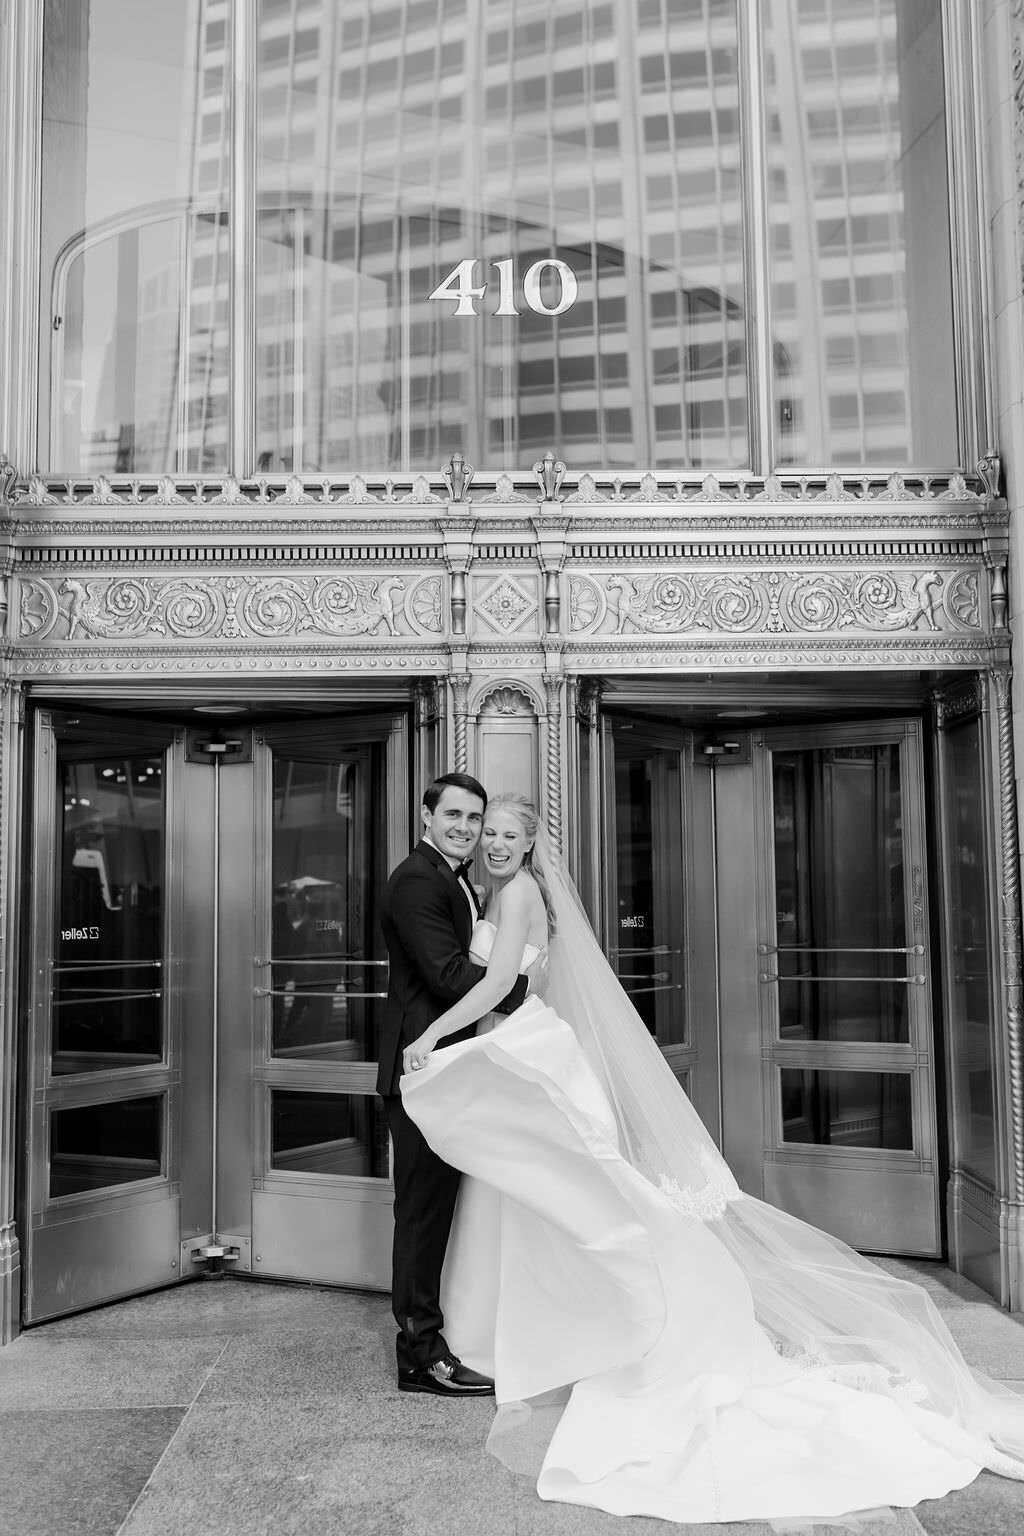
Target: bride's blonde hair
<point x="526" y="814"/>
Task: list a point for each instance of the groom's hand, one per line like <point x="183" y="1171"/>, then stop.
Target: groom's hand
<point x="537" y="976"/>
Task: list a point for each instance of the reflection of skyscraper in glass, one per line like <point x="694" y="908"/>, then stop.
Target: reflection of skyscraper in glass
<point x="401" y="144"/>
<point x="859" y="229"/>
<point x="409" y="154"/>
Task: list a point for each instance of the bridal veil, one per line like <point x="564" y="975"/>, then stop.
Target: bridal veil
<point x="818" y="1301"/>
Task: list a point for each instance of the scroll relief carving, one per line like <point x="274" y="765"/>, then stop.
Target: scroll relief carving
<point x="773" y="602"/>
<point x="126" y="608"/>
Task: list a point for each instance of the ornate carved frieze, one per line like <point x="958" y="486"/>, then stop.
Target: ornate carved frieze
<point x="629" y="566"/>
<point x="769" y="651"/>
<point x="183" y="659"/>
<point x="121" y="608"/>
<point x="548" y="484"/>
<point x="773" y="602"/>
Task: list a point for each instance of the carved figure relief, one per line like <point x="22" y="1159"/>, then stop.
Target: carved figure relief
<point x="122" y="608"/>
<point x="775" y="602"/>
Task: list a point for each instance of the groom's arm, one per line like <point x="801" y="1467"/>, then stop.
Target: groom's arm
<point x="422" y="916"/>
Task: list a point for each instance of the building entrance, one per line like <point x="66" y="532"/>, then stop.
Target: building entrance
<point x="766" y="909"/>
<point x="204" y="984"/>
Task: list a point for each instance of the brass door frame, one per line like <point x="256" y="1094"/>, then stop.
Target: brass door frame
<point x="728" y="875"/>
<point x="84" y="1248"/>
<point x="311" y="1226"/>
<point x="216" y="1183"/>
<point x="878" y="1200"/>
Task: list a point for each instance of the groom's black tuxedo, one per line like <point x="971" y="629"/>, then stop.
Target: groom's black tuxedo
<point x="427" y="915"/>
<point x="427" y="921"/>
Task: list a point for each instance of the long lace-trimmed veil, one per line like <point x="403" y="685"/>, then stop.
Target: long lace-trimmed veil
<point x="820" y="1303"/>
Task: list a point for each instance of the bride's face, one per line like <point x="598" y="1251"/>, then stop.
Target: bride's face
<point x="504" y="844"/>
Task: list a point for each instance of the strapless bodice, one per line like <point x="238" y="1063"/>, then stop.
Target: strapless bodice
<point x="482" y="942"/>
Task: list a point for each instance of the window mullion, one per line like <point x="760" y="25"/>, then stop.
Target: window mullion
<point x="27" y="321"/>
<point x="964" y="100"/>
<point x="242" y="238"/>
<point x="754" y="181"/>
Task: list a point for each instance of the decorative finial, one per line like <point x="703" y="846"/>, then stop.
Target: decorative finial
<point x="458" y="477"/>
<point x="550" y="473"/>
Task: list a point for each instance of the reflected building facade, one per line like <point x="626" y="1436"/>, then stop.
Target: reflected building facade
<point x="495" y="231"/>
<point x="618" y="399"/>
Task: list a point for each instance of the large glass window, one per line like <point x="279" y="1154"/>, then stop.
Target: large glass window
<point x="135" y="258"/>
<point x="495" y="227"/>
<point x="859" y="233"/>
<point x="499" y="229"/>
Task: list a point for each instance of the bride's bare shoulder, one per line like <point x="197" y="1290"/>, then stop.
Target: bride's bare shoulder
<point x="521" y="895"/>
<point x="533" y="901"/>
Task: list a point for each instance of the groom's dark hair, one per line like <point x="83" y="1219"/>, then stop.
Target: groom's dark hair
<point x="433" y="792"/>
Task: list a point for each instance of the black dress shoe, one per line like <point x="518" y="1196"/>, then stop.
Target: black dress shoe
<point x="447" y="1377"/>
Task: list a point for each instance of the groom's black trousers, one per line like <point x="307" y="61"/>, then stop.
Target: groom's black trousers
<point x="425" y="1191"/>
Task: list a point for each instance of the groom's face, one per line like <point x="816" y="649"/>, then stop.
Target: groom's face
<point x="454" y="826"/>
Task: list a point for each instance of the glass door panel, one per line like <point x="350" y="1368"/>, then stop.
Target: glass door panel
<point x="342" y="1134"/>
<point x="99" y="1183"/>
<point x="328" y="830"/>
<point x="846" y="1109"/>
<point x="840" y="910"/>
<point x="108" y="973"/>
<point x="660" y="932"/>
<point x="325" y="973"/>
<point x="968" y="861"/>
<point x="647" y="921"/>
<point x="95" y="1146"/>
<point x="972" y="869"/>
<point x="849" y="1138"/>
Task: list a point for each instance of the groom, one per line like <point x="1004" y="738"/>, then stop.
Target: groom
<point x="427" y="914"/>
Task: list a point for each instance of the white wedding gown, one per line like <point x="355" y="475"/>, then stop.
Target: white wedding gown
<point x="568" y="1268"/>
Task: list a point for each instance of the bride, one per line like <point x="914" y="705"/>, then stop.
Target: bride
<point x="662" y="1344"/>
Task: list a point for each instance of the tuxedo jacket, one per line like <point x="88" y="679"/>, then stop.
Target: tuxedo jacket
<point x="427" y="922"/>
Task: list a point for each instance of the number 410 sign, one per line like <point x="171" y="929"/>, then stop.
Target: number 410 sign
<point x="459" y="285"/>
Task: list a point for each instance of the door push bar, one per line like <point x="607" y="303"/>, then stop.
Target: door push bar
<point x="892" y="981"/>
<point x="835" y="949"/>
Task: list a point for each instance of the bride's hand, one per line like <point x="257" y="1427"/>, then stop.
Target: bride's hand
<point x="417" y="1055"/>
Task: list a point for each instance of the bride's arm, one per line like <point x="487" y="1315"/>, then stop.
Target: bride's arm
<point x="502" y="970"/>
